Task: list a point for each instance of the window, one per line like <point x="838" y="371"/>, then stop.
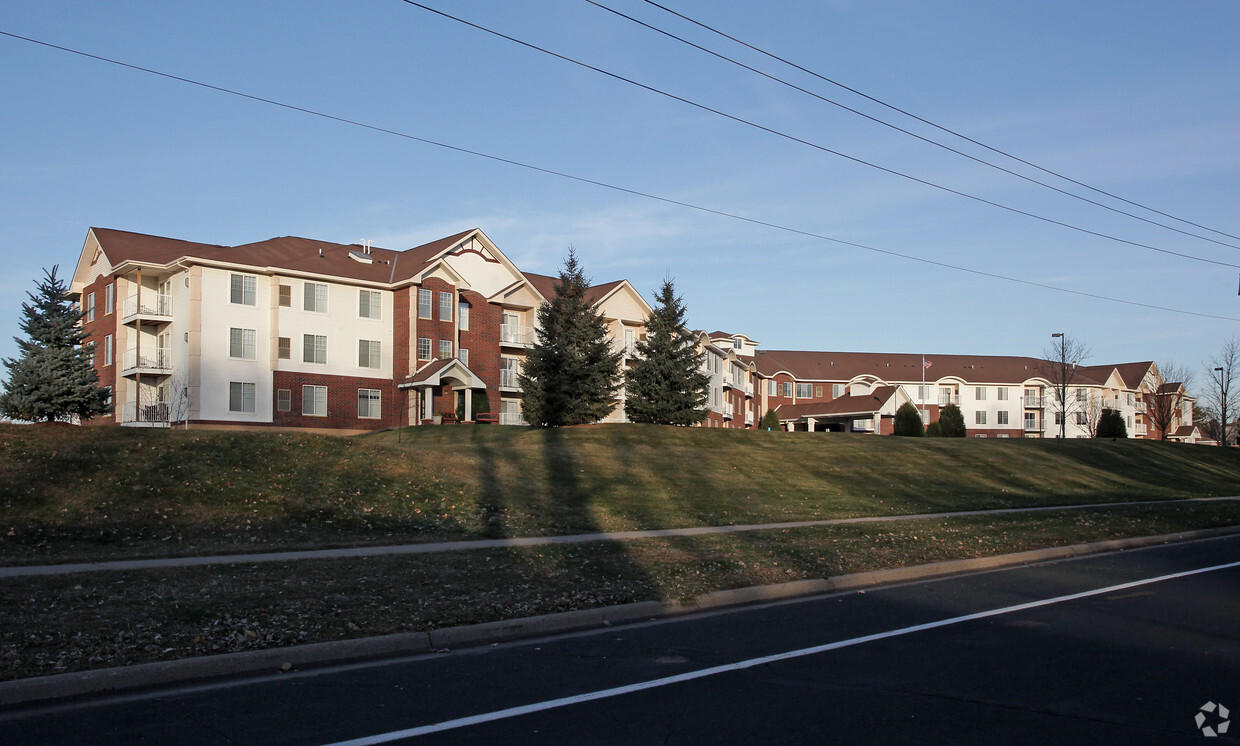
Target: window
<point x="837" y="390"/>
<point x="1129" y="395"/>
<point x="368" y="353"/>
<point x="240" y="397"/>
<point x="368" y="404"/>
<point x="424" y="304"/>
<point x="109" y="390"/>
<point x="314" y="349"/>
<point x="1031" y="421"/>
<point x="109" y="300"/>
<point x="1080" y="395"/>
<point x="979" y="418"/>
<point x="314" y="401"/>
<point x="285" y="348"/>
<point x="369" y="304"/>
<point x="772" y="388"/>
<point x="804" y="390"/>
<point x="244" y="289"/>
<point x="1080" y="418"/>
<point x="107" y="350"/>
<point x="818" y="391"/>
<point x="241" y="343"/>
<point x="1003" y="393"/>
<point x="787" y="387"/>
<point x="445" y="306"/>
<point x="445" y="349"/>
<point x="462" y="316"/>
<point x="284" y="400"/>
<point x="424" y="348"/>
<point x="737" y="343"/>
<point x="90" y="306"/>
<point x="923" y="393"/>
<point x="1003" y="418"/>
<point x="1059" y="418"/>
<point x="981" y="393"/>
<point x="286" y="296"/>
<point x="463" y="355"/>
<point x="315" y="297"/>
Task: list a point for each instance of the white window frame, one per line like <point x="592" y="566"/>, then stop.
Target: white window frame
<point x="369" y="353"/>
<point x="426" y="300"/>
<point x="979" y="393"/>
<point x="109" y="299"/>
<point x="837" y="390"/>
<point x="787" y="387"/>
<point x="314" y="297"/>
<point x="445" y="349"/>
<point x="90" y="306"/>
<point x="241" y="397"/>
<point x="807" y="388"/>
<point x="445" y="306"/>
<point x="1003" y="418"/>
<point x="284" y="400"/>
<point x="373" y="401"/>
<point x="369" y="304"/>
<point x="311" y="347"/>
<point x="979" y="418"/>
<point x="1003" y="393"/>
<point x="107" y="350"/>
<point x="311" y="397"/>
<point x="462" y="316"/>
<point x="463" y="355"/>
<point x="424" y="348"/>
<point x="284" y="348"/>
<point x="242" y="343"/>
<point x="284" y="296"/>
<point x="243" y="290"/>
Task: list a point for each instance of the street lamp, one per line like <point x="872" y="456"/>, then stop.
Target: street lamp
<point x="1061" y="385"/>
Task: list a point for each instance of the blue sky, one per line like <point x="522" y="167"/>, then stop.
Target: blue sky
<point x="1136" y="98"/>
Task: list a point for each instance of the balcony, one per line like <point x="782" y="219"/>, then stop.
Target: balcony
<point x="748" y="390"/>
<point x="508" y="380"/>
<point x="1032" y="425"/>
<point x="513" y="335"/>
<point x="1034" y="402"/>
<point x="154" y="307"/>
<point x="729" y="411"/>
<point x="945" y="399"/>
<point x="748" y="416"/>
<point x="512" y="418"/>
<point x="1140" y="407"/>
<point x="156" y="360"/>
<point x="150" y="415"/>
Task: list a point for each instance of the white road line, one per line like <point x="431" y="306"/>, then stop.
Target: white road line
<point x="551" y="704"/>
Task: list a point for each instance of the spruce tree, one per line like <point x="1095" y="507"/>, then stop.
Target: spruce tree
<point x="54" y="378"/>
<point x="571" y="374"/>
<point x="951" y="422"/>
<point x="665" y="384"/>
<point x="908" y="421"/>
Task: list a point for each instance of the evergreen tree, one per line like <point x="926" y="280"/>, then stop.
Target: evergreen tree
<point x="665" y="384"/>
<point x="1111" y="425"/>
<point x="770" y="420"/>
<point x="951" y="422"/>
<point x="908" y="421"/>
<point x="571" y="374"/>
<point x="54" y="378"/>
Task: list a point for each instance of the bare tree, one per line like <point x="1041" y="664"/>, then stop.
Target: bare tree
<point x="1058" y="366"/>
<point x="1166" y="399"/>
<point x="1222" y="396"/>
<point x="1092" y="408"/>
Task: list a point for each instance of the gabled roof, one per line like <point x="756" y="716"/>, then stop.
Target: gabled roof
<point x="436" y="371"/>
<point x="869" y="403"/>
<point x="545" y="285"/>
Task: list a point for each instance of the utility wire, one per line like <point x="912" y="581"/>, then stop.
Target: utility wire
<point x="897" y="128"/>
<point x="814" y="145"/>
<point x="978" y="143"/>
<point x="613" y="187"/>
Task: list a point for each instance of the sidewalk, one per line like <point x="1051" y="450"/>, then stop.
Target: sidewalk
<point x="451" y="546"/>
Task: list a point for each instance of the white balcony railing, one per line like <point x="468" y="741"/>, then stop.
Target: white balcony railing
<point x="512" y="334"/>
<point x="1034" y="402"/>
<point x="945" y="399"/>
<point x="1140" y="407"/>
<point x="729" y="411"/>
<point x="512" y="418"/>
<point x="154" y="358"/>
<point x="1032" y="425"/>
<point x="508" y="379"/>
<point x="156" y="413"/>
<point x="153" y="304"/>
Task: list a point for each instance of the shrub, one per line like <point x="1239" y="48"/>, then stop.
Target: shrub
<point x="770" y="420"/>
<point x="934" y="430"/>
<point x="908" y="421"/>
<point x="951" y="422"/>
<point x="1111" y="425"/>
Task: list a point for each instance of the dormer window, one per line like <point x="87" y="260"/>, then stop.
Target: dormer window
<point x="737" y="343"/>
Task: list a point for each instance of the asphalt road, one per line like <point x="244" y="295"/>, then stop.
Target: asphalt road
<point x="1102" y="649"/>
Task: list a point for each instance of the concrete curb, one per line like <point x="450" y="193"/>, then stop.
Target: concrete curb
<point x="115" y="680"/>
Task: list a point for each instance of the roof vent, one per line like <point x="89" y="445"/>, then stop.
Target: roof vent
<point x="362" y="257"/>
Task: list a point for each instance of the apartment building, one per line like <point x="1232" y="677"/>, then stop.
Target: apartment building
<point x="999" y="397"/>
<point x="298" y="333"/>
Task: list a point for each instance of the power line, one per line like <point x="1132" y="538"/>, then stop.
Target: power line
<point x="605" y="185"/>
<point x="816" y="146"/>
<point x="910" y="133"/>
<point x="980" y="144"/>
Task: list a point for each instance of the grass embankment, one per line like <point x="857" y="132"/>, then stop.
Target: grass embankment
<point x="70" y="493"/>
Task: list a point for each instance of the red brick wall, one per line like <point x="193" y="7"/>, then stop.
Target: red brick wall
<point x="341" y="401"/>
<point x="103" y="325"/>
<point x="482" y="341"/>
<point x="401" y="333"/>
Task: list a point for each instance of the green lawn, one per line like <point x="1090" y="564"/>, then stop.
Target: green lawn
<point x="86" y="493"/>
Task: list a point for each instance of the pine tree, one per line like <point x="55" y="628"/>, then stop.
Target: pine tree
<point x="54" y="378"/>
<point x="908" y="421"/>
<point x="571" y="374"/>
<point x="665" y="384"/>
<point x="951" y="422"/>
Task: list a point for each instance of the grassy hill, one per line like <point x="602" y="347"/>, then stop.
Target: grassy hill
<point x="92" y="492"/>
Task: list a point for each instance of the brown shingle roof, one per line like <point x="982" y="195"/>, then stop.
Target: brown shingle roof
<point x="865" y="404"/>
<point x="545" y="285"/>
<point x="844" y="366"/>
